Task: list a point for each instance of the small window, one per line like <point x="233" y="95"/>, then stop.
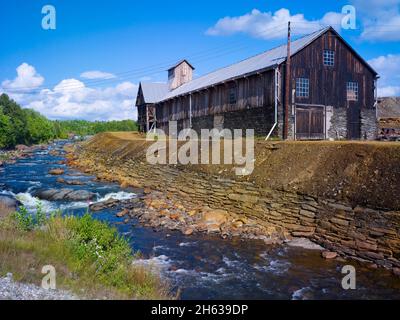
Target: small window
<point x="171" y="73"/>
<point x="352" y="91"/>
<point x="232" y="94"/>
<point x="329" y="58"/>
<point x="302" y="87"/>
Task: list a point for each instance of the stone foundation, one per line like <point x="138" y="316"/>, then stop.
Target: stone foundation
<point x="260" y="119"/>
<point x="368" y="124"/>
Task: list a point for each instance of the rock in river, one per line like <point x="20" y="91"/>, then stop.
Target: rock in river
<point x="329" y="255"/>
<point x="65" y="195"/>
<point x="110" y="203"/>
<point x="70" y="182"/>
<point x="56" y="172"/>
<point x="8" y="205"/>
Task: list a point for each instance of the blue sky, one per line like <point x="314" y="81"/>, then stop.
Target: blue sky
<point x="90" y="66"/>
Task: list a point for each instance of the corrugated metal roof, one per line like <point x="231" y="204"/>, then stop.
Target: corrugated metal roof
<point x="157" y="92"/>
<point x="154" y="92"/>
<point x="262" y="61"/>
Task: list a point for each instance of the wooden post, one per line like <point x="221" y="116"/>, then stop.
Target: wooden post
<point x="287" y="86"/>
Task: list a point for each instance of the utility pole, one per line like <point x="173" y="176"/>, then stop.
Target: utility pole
<point x="287" y="86"/>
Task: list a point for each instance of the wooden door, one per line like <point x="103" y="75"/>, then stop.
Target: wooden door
<point x="310" y="123"/>
<point x="353" y="121"/>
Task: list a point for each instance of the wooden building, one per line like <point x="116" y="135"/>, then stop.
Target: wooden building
<point x="332" y="93"/>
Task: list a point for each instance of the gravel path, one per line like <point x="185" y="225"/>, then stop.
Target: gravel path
<point x="11" y="290"/>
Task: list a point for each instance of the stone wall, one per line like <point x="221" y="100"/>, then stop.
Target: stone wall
<point x="338" y="124"/>
<point x="368" y="124"/>
<point x="365" y="234"/>
<point x="259" y="119"/>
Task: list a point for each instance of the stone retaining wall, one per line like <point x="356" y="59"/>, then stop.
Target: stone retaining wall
<point x="361" y="233"/>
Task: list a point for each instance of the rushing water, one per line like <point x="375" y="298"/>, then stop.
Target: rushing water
<point x="202" y="266"/>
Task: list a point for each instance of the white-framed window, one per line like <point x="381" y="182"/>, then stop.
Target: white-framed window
<point x="302" y="87"/>
<point x="329" y="58"/>
<point x="352" y="91"/>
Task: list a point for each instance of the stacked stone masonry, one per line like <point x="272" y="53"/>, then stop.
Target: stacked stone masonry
<point x="364" y="234"/>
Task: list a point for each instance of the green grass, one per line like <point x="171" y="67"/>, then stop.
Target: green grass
<point x="90" y="257"/>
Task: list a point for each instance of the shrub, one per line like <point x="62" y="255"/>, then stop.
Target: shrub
<point x="88" y="254"/>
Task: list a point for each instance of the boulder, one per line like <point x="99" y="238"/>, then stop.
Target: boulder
<point x="216" y="217"/>
<point x="70" y="182"/>
<point x="56" y="172"/>
<point x="110" y="203"/>
<point x="22" y="147"/>
<point x="329" y="255"/>
<point x="8" y="205"/>
<point x="188" y="231"/>
<point x="65" y="195"/>
<point x="123" y="213"/>
<point x="80" y="195"/>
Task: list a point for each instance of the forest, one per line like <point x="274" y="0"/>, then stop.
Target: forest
<point x="26" y="126"/>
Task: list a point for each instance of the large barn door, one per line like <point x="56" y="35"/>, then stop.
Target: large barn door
<point x="353" y="121"/>
<point x="310" y="123"/>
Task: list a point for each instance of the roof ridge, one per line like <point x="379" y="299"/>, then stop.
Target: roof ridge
<point x="255" y="55"/>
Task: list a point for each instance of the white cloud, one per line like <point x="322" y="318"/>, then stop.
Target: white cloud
<point x="71" y="99"/>
<point x="97" y="75"/>
<point x="27" y="79"/>
<point x="389" y="91"/>
<point x="380" y="19"/>
<point x="388" y="68"/>
<point x="268" y="25"/>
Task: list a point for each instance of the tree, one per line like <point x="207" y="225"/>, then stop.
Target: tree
<point x="39" y="128"/>
<point x="26" y="126"/>
<point x="17" y="118"/>
<point x="7" y="138"/>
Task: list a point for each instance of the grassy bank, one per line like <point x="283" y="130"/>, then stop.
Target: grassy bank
<point x="90" y="258"/>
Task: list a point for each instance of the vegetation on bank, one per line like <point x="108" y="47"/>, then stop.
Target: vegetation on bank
<point x="90" y="257"/>
<point x="25" y="126"/>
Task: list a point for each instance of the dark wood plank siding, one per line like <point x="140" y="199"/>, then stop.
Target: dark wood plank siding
<point x="328" y="84"/>
<point x="141" y="105"/>
<point x="251" y="92"/>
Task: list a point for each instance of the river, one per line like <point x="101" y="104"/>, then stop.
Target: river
<point x="204" y="266"/>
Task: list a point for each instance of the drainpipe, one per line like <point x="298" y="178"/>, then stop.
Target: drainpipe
<point x="376" y="96"/>
<point x="376" y="107"/>
<point x="276" y="103"/>
<point x="190" y="111"/>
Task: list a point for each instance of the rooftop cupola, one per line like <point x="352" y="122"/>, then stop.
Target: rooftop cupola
<point x="179" y="74"/>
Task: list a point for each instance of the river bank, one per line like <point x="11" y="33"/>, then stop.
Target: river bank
<point x="12" y="290"/>
<point x="198" y="266"/>
<point x="19" y="152"/>
<point x="89" y="258"/>
<point x="331" y="194"/>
